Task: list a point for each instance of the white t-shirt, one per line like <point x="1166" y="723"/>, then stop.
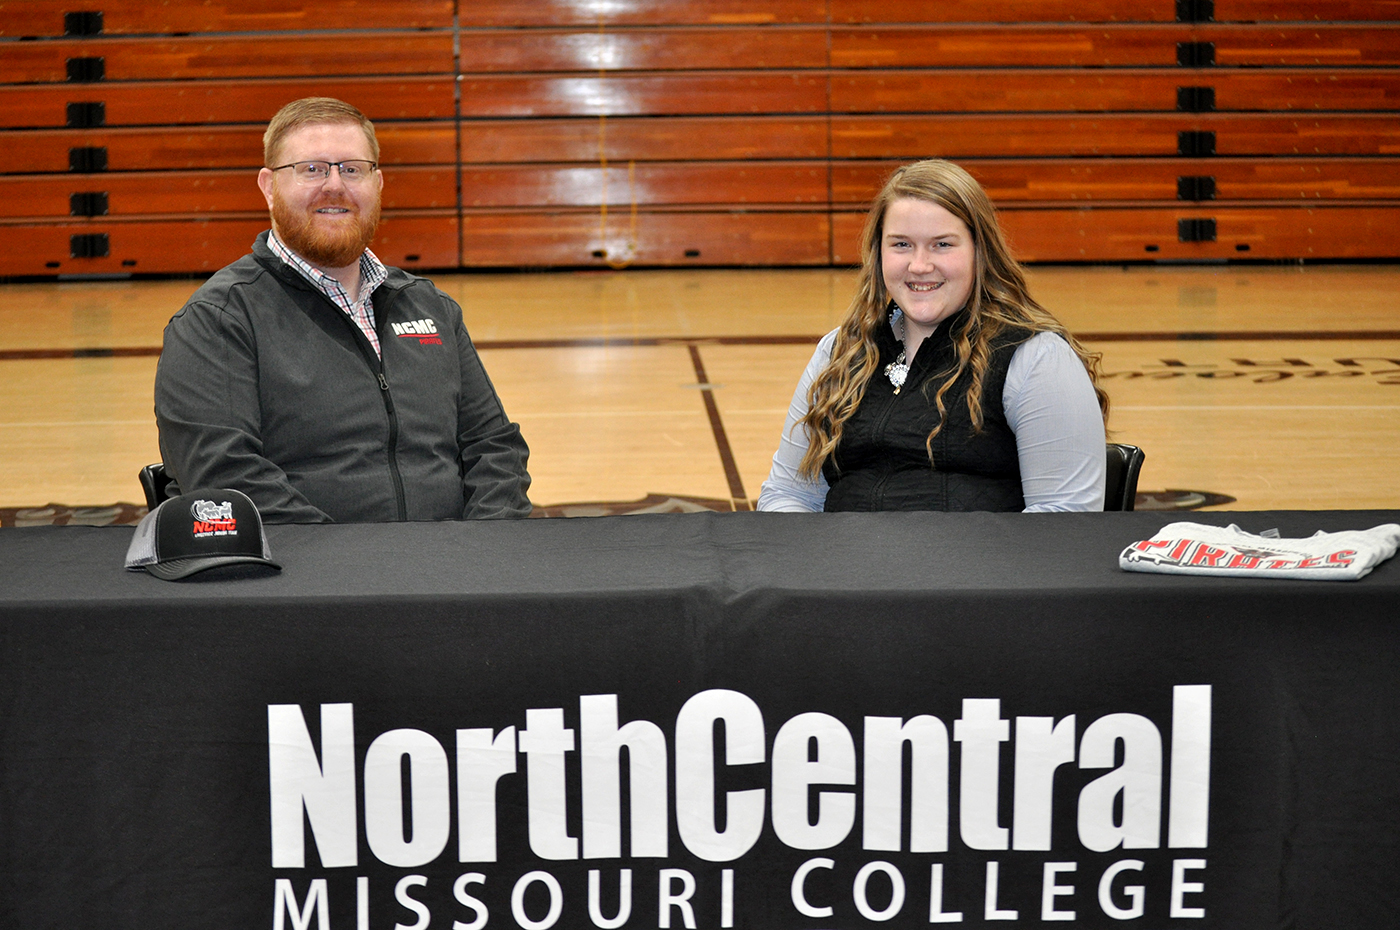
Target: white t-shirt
<point x="1199" y="549"/>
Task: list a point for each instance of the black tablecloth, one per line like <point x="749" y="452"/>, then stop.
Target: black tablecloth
<point x="141" y="721"/>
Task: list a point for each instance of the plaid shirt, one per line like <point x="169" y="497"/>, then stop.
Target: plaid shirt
<point x="372" y="274"/>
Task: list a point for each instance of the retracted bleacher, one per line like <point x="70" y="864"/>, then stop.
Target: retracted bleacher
<point x="707" y="132"/>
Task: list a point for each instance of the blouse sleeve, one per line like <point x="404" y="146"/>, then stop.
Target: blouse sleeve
<point x="1051" y="407"/>
<point x="785" y="490"/>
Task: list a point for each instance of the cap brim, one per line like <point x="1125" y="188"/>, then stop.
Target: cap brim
<point x="175" y="569"/>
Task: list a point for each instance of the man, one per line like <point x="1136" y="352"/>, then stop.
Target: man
<point x="322" y="384"/>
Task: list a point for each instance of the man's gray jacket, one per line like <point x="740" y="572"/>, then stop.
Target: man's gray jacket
<point x="266" y="386"/>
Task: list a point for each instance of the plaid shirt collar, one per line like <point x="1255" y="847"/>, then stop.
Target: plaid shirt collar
<point x="372" y="272"/>
<point x="361" y="312"/>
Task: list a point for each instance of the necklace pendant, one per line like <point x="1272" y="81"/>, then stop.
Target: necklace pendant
<point x="897" y="371"/>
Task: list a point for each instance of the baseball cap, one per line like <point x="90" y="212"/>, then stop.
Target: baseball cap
<point x="199" y="530"/>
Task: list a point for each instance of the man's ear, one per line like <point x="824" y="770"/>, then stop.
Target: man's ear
<point x="265" y="180"/>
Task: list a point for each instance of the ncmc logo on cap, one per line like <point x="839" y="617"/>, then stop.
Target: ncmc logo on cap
<point x="204" y="529"/>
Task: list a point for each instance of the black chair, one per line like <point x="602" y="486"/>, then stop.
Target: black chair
<point x="1121" y="476"/>
<point x="155" y="482"/>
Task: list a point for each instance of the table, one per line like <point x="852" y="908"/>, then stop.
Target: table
<point x="747" y="720"/>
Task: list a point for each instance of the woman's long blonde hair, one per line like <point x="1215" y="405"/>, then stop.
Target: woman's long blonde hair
<point x="999" y="299"/>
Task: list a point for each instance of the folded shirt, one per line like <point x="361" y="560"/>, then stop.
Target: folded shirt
<point x="1197" y="549"/>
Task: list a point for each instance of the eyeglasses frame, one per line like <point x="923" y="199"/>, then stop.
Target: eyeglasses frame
<point x="339" y="166"/>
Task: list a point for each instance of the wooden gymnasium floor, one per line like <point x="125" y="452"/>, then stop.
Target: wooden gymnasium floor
<point x="1277" y="386"/>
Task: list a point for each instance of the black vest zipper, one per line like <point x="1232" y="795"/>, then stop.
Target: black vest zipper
<point x="914" y="378"/>
<point x="877" y="435"/>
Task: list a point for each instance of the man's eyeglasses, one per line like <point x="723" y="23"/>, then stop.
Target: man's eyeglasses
<point x="354" y="171"/>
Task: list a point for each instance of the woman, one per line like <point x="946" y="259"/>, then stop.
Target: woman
<point x="946" y="387"/>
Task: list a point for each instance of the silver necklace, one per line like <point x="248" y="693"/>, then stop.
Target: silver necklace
<point x="898" y="370"/>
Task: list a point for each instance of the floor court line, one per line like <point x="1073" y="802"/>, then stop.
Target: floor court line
<point x="25" y="424"/>
<point x="737" y="496"/>
<point x="623" y="342"/>
<point x="1245" y="336"/>
<point x="608" y="412"/>
<point x="1254" y="407"/>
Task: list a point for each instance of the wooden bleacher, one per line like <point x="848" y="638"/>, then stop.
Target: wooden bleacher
<point x="707" y="132"/>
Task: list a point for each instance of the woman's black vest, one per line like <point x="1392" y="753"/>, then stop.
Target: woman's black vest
<point x="882" y="462"/>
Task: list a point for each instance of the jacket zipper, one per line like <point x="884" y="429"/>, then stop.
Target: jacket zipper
<point x="381" y="314"/>
<point x="393" y="444"/>
<point x="376" y="363"/>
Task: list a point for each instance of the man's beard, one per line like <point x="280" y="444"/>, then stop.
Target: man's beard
<point x="336" y="247"/>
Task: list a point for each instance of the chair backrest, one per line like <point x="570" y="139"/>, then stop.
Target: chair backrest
<point x="1121" y="476"/>
<point x="154" y="481"/>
